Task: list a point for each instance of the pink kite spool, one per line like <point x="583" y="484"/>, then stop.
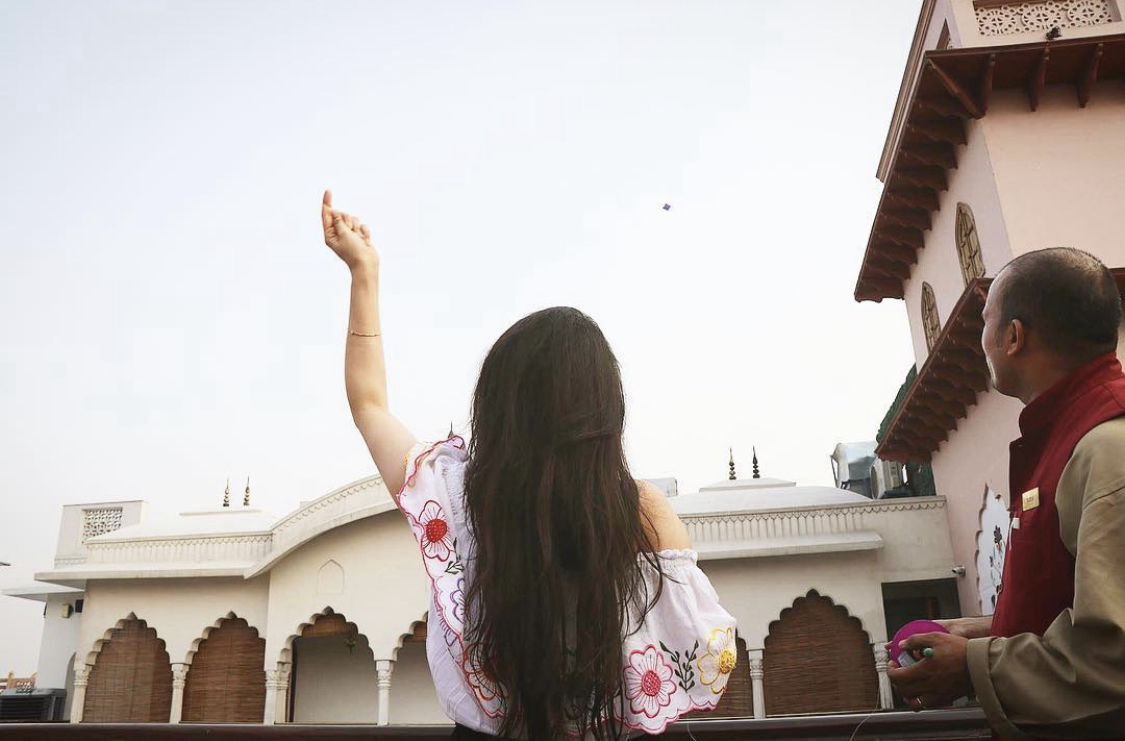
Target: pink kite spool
<point x="914" y="627"/>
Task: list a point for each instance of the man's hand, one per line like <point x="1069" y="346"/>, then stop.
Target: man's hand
<point x="348" y="237"/>
<point x="970" y="627"/>
<point x="935" y="681"/>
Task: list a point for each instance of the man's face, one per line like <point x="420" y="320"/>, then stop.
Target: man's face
<point x="993" y="340"/>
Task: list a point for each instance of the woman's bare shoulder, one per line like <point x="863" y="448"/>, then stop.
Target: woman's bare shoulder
<point x="664" y="526"/>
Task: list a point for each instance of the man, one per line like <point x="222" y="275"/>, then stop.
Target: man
<point x="1051" y="660"/>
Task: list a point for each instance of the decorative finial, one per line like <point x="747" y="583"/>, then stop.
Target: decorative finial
<point x="732" y="476"/>
<point x="756" y="474"/>
<point x="451" y="429"/>
<point x="226" y="494"/>
<point x="246" y="496"/>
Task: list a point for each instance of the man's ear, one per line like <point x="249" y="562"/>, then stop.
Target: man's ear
<point x="1015" y="337"/>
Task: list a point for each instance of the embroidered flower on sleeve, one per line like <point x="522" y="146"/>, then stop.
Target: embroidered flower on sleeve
<point x="437" y="541"/>
<point x="718" y="661"/>
<point x="648" y="682"/>
<point x="458" y="599"/>
<point x="486" y="689"/>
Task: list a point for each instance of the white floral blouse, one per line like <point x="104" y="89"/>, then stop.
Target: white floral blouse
<point x="679" y="660"/>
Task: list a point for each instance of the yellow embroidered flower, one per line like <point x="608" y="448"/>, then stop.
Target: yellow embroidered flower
<point x="719" y="660"/>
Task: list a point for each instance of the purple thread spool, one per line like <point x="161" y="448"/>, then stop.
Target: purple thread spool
<point x="914" y="627"/>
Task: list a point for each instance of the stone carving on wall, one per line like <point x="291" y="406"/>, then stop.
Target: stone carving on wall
<point x="992" y="545"/>
<point x="1008" y="18"/>
<point x="100" y="520"/>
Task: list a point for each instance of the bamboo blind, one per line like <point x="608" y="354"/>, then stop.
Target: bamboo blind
<point x="226" y="682"/>
<point x="417" y="633"/>
<point x="818" y="660"/>
<point x="131" y="681"/>
<point x="330" y="624"/>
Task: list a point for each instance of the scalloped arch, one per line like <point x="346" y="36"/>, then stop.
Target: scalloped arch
<point x="423" y="622"/>
<point x="193" y="649"/>
<point x="814" y="594"/>
<point x="286" y="653"/>
<point x="107" y="635"/>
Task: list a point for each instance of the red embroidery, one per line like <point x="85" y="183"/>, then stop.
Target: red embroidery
<point x="436" y="542"/>
<point x="648" y="682"/>
<point x="436" y="530"/>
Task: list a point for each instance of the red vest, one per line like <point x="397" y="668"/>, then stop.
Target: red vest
<point x="1038" y="581"/>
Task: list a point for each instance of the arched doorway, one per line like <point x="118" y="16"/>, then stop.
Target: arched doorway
<point x="414" y="699"/>
<point x="226" y="682"/>
<point x="332" y="679"/>
<point x="818" y="659"/>
<point x="131" y="681"/>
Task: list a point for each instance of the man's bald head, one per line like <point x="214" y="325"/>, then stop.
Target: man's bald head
<point x="1065" y="297"/>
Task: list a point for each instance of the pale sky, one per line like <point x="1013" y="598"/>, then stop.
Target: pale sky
<point x="171" y="316"/>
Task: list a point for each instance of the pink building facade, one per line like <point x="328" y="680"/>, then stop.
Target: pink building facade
<point x="1008" y="136"/>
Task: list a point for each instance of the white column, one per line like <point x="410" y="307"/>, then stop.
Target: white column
<point x="886" y="695"/>
<point x="179" y="679"/>
<point x="277" y="694"/>
<point x="78" y="702"/>
<point x="757" y="673"/>
<point x="269" y="714"/>
<point x="383" y="671"/>
<point x="284" y="679"/>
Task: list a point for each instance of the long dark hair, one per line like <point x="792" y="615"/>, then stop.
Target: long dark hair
<point x="558" y="527"/>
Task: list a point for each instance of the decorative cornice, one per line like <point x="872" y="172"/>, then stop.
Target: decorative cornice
<point x="325" y="501"/>
<point x="798" y="530"/>
<point x="909" y="74"/>
<point x="874" y="506"/>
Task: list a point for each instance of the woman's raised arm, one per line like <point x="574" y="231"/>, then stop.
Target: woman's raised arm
<point x="365" y="372"/>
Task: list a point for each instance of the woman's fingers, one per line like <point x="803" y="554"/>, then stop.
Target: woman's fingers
<point x="326" y="209"/>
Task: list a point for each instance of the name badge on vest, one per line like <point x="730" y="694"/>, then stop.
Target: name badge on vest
<point x="1031" y="499"/>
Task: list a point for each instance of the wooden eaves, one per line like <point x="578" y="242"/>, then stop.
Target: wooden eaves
<point x="953" y="86"/>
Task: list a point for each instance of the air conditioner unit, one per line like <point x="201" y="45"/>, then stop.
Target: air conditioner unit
<point x="31" y="705"/>
<point x="885" y="475"/>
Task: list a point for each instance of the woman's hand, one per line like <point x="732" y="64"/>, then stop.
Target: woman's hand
<point x="348" y="237"/>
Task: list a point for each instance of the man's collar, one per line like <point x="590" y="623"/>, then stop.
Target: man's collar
<point x="1045" y="408"/>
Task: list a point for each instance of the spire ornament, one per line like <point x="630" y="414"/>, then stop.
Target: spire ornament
<point x="732" y="476"/>
<point x="756" y="474"/>
<point x="226" y="494"/>
<point x="246" y="496"/>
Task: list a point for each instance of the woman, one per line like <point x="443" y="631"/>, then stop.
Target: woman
<point x="565" y="599"/>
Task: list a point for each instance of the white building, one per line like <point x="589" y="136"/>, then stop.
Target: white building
<point x="235" y="615"/>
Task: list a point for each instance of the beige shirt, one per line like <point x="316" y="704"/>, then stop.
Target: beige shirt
<point x="1070" y="683"/>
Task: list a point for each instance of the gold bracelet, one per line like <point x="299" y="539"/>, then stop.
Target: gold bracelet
<point x="361" y="334"/>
